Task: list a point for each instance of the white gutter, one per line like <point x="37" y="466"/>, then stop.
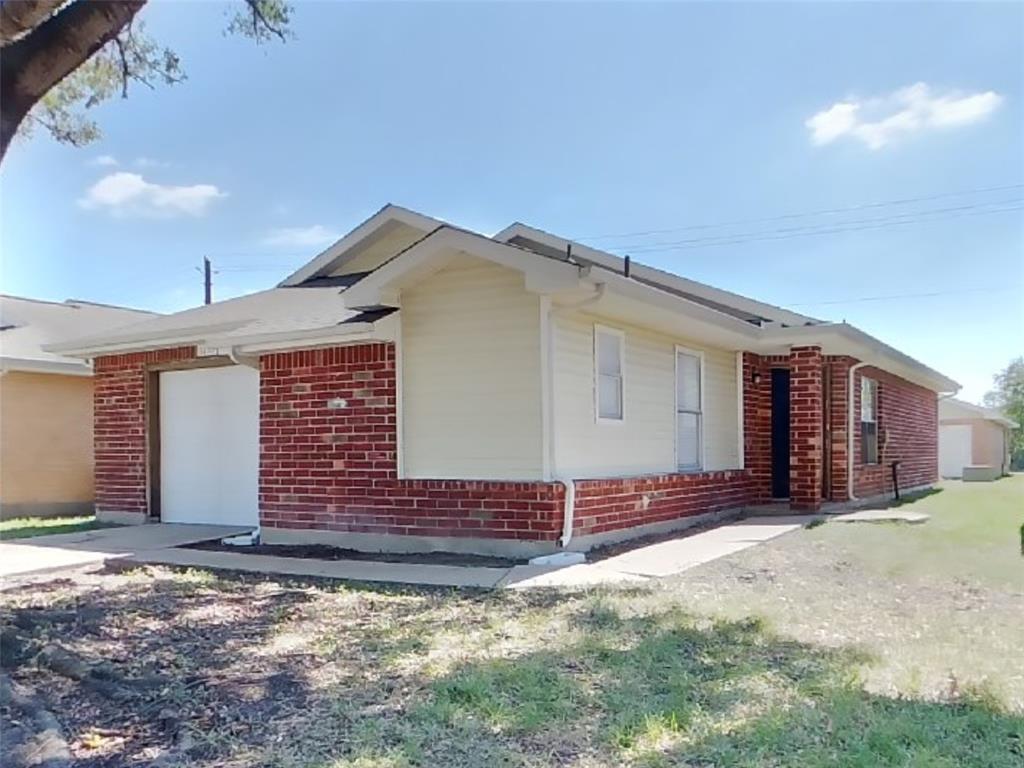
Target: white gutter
<point x="849" y="432"/>
<point x="94" y="346"/>
<point x="38" y="365"/>
<point x="569" y="512"/>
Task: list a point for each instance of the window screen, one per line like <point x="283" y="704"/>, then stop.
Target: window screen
<point x="689" y="418"/>
<point x="609" y="351"/>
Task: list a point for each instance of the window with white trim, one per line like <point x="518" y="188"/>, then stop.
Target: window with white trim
<point x="868" y="420"/>
<point x="689" y="411"/>
<point x="609" y="355"/>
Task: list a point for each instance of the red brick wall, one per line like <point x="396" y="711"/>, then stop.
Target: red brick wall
<point x="908" y="432"/>
<point x="839" y="375"/>
<point x="336" y="469"/>
<point x="616" y="503"/>
<point x="757" y="423"/>
<point x="119" y="427"/>
<point x="806" y="427"/>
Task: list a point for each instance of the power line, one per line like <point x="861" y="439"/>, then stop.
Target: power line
<point x="894" y="296"/>
<point x="807" y="214"/>
<point x="794" y="232"/>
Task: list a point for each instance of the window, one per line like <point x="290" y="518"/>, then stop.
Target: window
<point x="608" y="365"/>
<point x="868" y="421"/>
<point x="689" y="410"/>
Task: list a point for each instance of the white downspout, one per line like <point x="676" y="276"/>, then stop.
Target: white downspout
<point x="253" y="537"/>
<point x="849" y="432"/>
<point x="569" y="511"/>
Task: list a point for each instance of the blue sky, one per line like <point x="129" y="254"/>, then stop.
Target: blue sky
<point x="582" y="119"/>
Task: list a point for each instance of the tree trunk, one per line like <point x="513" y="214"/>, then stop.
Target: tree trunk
<point x="35" y="63"/>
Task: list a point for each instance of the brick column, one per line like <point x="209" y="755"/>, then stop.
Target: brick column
<point x="805" y="428"/>
<point x="120" y="427"/>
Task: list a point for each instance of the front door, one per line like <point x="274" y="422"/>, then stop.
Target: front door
<point x="780" y="433"/>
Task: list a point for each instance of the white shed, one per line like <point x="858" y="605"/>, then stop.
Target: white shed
<point x="974" y="438"/>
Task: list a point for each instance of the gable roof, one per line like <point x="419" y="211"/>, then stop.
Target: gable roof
<point x="28" y="325"/>
<point x="363" y="235"/>
<point x="739" y="306"/>
<point x="342" y="293"/>
<point x="953" y="409"/>
<point x="269" y="313"/>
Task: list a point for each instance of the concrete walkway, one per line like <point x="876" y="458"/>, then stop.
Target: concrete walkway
<point x="43" y="554"/>
<point x="635" y="566"/>
<point x="159" y="544"/>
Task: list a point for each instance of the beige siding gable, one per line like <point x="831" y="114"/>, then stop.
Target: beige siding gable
<point x="471" y="376"/>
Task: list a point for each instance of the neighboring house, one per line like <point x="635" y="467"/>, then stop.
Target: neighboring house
<point x="420" y="386"/>
<point x="974" y="437"/>
<point x="46" y="412"/>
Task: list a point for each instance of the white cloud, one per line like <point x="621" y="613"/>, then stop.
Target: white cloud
<point x="128" y="194"/>
<point x="301" y="237"/>
<point x="149" y="162"/>
<point x="107" y="161"/>
<point x="917" y="108"/>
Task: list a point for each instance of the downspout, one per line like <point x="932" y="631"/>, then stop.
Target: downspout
<point x="253" y="536"/>
<point x="569" y="511"/>
<point x="849" y="431"/>
<point x="250" y="361"/>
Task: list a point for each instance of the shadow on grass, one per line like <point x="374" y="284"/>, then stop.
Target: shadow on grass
<point x="299" y="673"/>
<point x="669" y="690"/>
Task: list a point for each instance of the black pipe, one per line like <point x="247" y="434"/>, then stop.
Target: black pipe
<point x="625" y="266"/>
<point x="896" y="479"/>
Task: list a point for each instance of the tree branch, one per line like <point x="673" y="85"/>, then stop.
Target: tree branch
<point x="35" y="63"/>
<point x="20" y="16"/>
<point x="258" y="18"/>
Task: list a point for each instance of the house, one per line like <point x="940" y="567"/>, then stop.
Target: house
<point x="421" y="386"/>
<point x="974" y="442"/>
<point x="46" y="414"/>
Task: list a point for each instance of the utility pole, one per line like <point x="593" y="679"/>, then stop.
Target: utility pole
<point x="207" y="281"/>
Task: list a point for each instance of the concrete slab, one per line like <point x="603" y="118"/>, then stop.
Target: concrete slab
<point x="881" y="516"/>
<point x="353" y="570"/>
<point x="160" y="545"/>
<point x="573" y="576"/>
<point x="669" y="557"/>
<point x="42" y="554"/>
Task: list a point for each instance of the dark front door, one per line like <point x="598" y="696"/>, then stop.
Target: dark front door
<point x="780" y="433"/>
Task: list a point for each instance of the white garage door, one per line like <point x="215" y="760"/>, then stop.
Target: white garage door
<point x="954" y="449"/>
<point x="209" y="446"/>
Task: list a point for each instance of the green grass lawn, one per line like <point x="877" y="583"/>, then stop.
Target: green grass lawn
<point x="26" y="527"/>
<point x="856" y="645"/>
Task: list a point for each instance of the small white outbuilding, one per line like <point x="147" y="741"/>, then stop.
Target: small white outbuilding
<point x="973" y="438"/>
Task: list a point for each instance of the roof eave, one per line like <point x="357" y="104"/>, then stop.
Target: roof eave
<point x="865" y="347"/>
<point x="37" y="365"/>
<point x="91" y="346"/>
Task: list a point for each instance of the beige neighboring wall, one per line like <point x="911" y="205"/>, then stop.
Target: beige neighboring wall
<point x="989" y="444"/>
<point x="46" y="451"/>
<point x="471" y="375"/>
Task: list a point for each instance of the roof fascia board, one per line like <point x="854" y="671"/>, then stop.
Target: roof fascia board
<point x="388" y="213"/>
<point x="35" y="365"/>
<point x="651" y="295"/>
<point x="842" y="338"/>
<point x="647" y="272"/>
<point x="91" y="345"/>
<point x="326" y="335"/>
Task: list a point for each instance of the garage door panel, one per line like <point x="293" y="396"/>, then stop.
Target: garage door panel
<point x="954" y="449"/>
<point x="209" y="446"/>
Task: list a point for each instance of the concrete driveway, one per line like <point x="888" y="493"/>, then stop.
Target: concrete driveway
<point x="41" y="554"/>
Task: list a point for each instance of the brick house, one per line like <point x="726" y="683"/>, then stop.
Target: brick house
<point x="420" y="386"/>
